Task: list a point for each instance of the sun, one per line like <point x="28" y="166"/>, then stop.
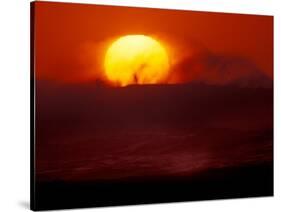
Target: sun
<point x="136" y="59"/>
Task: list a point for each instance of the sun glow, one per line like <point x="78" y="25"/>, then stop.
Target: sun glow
<point x="136" y="59"/>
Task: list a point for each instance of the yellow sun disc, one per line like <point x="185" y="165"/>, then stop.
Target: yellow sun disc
<point x="136" y="59"/>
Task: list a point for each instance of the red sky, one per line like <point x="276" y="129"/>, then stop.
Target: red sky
<point x="70" y="39"/>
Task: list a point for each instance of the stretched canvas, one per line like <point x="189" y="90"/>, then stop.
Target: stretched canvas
<point x="141" y="105"/>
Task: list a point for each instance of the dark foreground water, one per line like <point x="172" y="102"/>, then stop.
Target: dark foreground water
<point x="157" y="167"/>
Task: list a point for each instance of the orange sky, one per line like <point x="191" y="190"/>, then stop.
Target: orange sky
<point x="70" y="39"/>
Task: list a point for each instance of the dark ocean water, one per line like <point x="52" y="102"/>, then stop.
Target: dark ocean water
<point x="153" y="152"/>
<point x="97" y="133"/>
<point x="98" y="146"/>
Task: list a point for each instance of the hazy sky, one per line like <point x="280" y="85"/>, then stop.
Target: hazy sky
<point x="71" y="39"/>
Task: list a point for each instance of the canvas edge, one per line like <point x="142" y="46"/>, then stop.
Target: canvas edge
<point x="32" y="102"/>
